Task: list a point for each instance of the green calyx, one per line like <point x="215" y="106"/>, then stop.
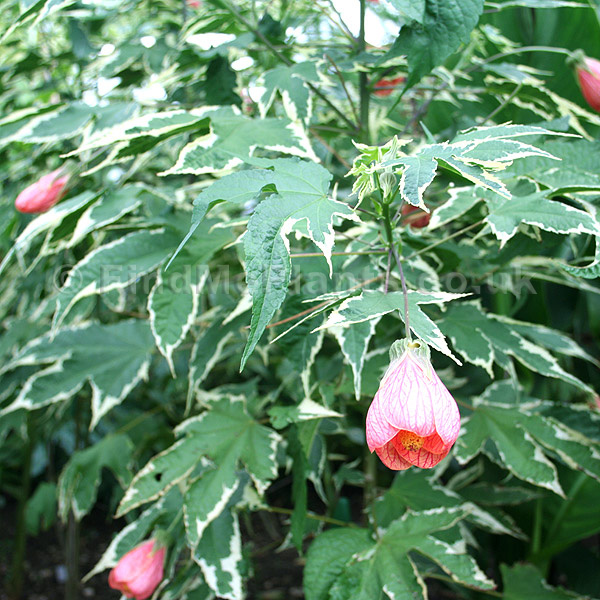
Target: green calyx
<point x="418" y="350"/>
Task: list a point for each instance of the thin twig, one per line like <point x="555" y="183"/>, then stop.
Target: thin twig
<point x="341" y="78"/>
<point x="503" y="104"/>
<point x="404" y="291"/>
<point x="332" y="150"/>
<point x="387" y="272"/>
<point x="325" y="303"/>
<point x="288" y="511"/>
<point x="316" y="254"/>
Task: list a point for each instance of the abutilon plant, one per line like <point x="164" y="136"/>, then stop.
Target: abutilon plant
<point x="277" y="217"/>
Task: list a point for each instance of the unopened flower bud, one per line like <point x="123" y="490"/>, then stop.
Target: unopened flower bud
<point x="388" y="183"/>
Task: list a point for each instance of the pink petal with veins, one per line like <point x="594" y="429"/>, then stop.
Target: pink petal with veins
<point x="391" y="459"/>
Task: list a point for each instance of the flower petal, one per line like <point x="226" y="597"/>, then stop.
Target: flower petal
<point x="435" y="444"/>
<point x="406" y="397"/>
<point x="379" y="431"/>
<point x="391" y="459"/>
<point x="419" y="458"/>
<point x="446" y="413"/>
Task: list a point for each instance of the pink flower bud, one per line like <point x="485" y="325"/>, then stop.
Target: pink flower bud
<point x="415" y="217"/>
<point x="384" y="87"/>
<point x="43" y="194"/>
<point x="194" y="3"/>
<point x="413" y="419"/>
<point x="139" y="572"/>
<point x="588" y="74"/>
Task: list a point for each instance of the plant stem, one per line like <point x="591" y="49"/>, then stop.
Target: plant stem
<point x="288" y="511"/>
<point x="15" y="577"/>
<point x="536" y="534"/>
<point x="73" y="527"/>
<point x="363" y="80"/>
<point x="387" y="221"/>
<point x="357" y="253"/>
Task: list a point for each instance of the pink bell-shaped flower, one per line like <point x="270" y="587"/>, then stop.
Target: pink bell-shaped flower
<point x="43" y="194"/>
<point x="588" y="74"/>
<point x="413" y="420"/>
<point x="139" y="572"/>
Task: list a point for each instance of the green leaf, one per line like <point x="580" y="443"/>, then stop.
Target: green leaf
<point x="290" y="83"/>
<point x="112" y="266"/>
<point x="568" y="520"/>
<point x="239" y="188"/>
<point x="302" y="196"/>
<point x="113" y="358"/>
<point x="428" y="41"/>
<point x="505" y="216"/>
<point x="411" y="10"/>
<point x="354" y="341"/>
<point x="461" y="200"/>
<point x="523" y="435"/>
<point x="208" y="350"/>
<point x="302" y="345"/>
<point x="307" y="410"/>
<point x="233" y="139"/>
<point x="476" y="154"/>
<point x="162" y="472"/>
<point x="79" y="480"/>
<point x="174" y="299"/>
<point x="469" y="326"/>
<point x="219" y="554"/>
<point x="109" y="208"/>
<point x="387" y="567"/>
<point x="372" y="304"/>
<point x="229" y="434"/>
<point x="207" y="497"/>
<point x="418" y="490"/>
<point x="40" y="511"/>
<point x="46" y="223"/>
<point x="467" y="339"/>
<point x="144" y="132"/>
<point x="524" y="582"/>
<point x="536" y="4"/>
<point x="67" y="122"/>
<point x="591" y="271"/>
<point x="327" y="557"/>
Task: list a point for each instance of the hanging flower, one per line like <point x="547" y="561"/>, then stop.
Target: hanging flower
<point x="43" y="194"/>
<point x="139" y="572"/>
<point x="588" y="74"/>
<point x="415" y="217"/>
<point x="384" y="87"/>
<point x="413" y="420"/>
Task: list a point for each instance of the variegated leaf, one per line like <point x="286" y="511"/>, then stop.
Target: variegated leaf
<point x="372" y="304"/>
<point x="113" y="265"/>
<point x="112" y="358"/>
<point x="233" y="139"/>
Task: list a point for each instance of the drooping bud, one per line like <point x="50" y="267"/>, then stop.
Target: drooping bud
<point x="384" y="87"/>
<point x="139" y="572"/>
<point x="415" y="217"/>
<point x="43" y="194"/>
<point x="413" y="420"/>
<point x="588" y="76"/>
